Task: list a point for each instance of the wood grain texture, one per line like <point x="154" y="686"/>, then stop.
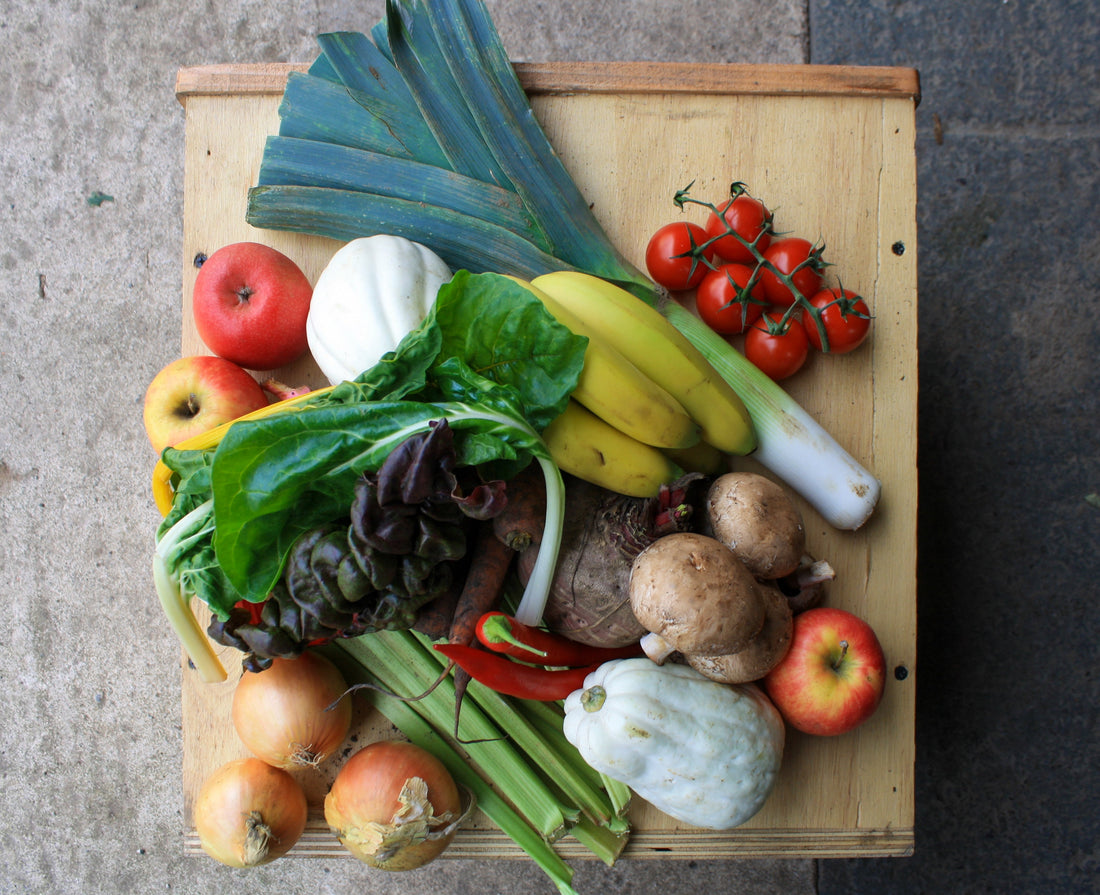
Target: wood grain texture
<point x="854" y="188"/>
<point x="613" y="77"/>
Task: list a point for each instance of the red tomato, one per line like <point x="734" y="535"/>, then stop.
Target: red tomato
<point x="673" y="256"/>
<point x="797" y="258"/>
<point x="749" y="219"/>
<point x="724" y="303"/>
<point x="778" y="349"/>
<point x="845" y="317"/>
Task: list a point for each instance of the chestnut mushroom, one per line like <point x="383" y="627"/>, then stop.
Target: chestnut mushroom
<point x="759" y="521"/>
<point x="762" y="653"/>
<point x="694" y="596"/>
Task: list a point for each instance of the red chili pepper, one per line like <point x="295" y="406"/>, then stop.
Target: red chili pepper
<point x="254" y="610"/>
<point x="503" y="634"/>
<point x="514" y="679"/>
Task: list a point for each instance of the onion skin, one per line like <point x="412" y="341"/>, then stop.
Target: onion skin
<point x="380" y="811"/>
<point x="249" y="813"/>
<point x="281" y="713"/>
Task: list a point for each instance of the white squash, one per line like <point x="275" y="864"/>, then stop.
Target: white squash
<point x="705" y="753"/>
<point x="372" y="293"/>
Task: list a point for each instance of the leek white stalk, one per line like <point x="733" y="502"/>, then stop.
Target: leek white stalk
<point x="790" y="442"/>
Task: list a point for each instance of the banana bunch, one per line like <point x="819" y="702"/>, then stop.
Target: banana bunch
<point x="647" y="402"/>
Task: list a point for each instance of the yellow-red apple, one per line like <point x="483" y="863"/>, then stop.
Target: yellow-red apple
<point x="250" y="305"/>
<point x="194" y="394"/>
<point x="833" y="675"/>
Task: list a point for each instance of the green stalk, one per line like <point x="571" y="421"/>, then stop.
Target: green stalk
<point x="361" y="66"/>
<point x="493" y="94"/>
<point x="405" y="669"/>
<point x="174" y="602"/>
<point x="183" y="622"/>
<point x="547" y="718"/>
<point x="555" y="756"/>
<point x="462" y="241"/>
<point x="603" y="841"/>
<point x="418" y="731"/>
<point x="317" y="109"/>
<point x="293" y="161"/>
<point x="790" y="442"/>
<point x="619" y="793"/>
<point x="422" y="65"/>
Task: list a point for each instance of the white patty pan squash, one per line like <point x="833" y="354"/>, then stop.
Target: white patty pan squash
<point x="705" y="753"/>
<point x="372" y="293"/>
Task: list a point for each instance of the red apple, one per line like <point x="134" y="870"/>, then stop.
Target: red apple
<point x="832" y="678"/>
<point x="250" y="304"/>
<point x="194" y="394"/>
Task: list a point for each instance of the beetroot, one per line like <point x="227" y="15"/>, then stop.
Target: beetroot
<point x="589" y="597"/>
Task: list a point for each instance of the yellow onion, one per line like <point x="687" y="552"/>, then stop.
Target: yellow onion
<point x="292" y="715"/>
<point x="394" y="806"/>
<point x="249" y="813"/>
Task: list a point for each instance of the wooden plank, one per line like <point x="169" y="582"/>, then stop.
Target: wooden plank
<point x="853" y="187"/>
<point x="613" y="77"/>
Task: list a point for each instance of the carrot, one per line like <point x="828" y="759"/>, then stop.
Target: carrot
<point x="433" y="619"/>
<point x="520" y="523"/>
<point x="490" y="561"/>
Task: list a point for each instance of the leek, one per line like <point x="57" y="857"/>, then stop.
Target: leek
<point x="463" y="241"/>
<point x="317" y="109"/>
<point x="414" y="51"/>
<point x="790" y="442"/>
<point x="361" y="66"/>
<point x="455" y="67"/>
<point x="293" y="161"/>
<point x="492" y="92"/>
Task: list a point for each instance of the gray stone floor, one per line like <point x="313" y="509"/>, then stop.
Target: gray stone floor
<point x="89" y="292"/>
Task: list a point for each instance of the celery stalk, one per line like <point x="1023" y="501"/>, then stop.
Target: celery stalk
<point x="555" y="756"/>
<point x="418" y="731"/>
<point x="404" y="668"/>
<point x="605" y="842"/>
<point x="547" y="718"/>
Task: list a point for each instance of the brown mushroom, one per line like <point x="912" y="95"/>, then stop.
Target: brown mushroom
<point x="805" y="587"/>
<point x="762" y="653"/>
<point x="759" y="521"/>
<point x="694" y="596"/>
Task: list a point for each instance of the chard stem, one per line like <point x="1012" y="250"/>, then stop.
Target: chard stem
<point x="184" y="623"/>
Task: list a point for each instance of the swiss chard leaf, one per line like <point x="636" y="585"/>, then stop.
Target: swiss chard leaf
<point x="489" y="359"/>
<point x="506" y="335"/>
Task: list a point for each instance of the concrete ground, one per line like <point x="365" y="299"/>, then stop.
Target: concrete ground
<point x="1008" y="154"/>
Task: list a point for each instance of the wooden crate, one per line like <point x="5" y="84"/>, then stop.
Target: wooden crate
<point x="831" y="150"/>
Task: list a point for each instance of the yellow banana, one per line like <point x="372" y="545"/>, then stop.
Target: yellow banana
<point x="615" y="390"/>
<point x="660" y="351"/>
<point x="700" y="457"/>
<point x="584" y="445"/>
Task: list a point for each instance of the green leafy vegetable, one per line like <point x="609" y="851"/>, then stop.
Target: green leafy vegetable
<point x="488" y="359"/>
